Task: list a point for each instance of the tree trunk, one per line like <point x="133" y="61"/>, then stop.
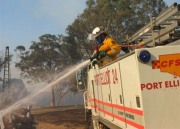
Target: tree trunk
<point x="52" y="96"/>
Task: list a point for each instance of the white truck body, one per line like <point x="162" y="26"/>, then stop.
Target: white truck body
<point x="129" y="94"/>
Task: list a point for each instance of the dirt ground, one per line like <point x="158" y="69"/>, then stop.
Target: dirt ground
<point x="64" y="118"/>
<point x="71" y="117"/>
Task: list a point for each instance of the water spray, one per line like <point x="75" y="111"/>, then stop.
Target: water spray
<point x="22" y="101"/>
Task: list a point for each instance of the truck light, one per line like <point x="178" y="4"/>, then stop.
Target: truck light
<point x="144" y="56"/>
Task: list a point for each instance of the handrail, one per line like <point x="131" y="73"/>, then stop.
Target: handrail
<point x="162" y="17"/>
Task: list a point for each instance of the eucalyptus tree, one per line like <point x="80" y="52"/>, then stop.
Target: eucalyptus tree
<point x="119" y="17"/>
<point x="43" y="59"/>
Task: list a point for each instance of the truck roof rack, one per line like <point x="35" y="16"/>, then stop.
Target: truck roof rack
<point x="160" y="30"/>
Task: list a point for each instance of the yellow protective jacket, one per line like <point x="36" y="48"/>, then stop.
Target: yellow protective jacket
<point x="111" y="47"/>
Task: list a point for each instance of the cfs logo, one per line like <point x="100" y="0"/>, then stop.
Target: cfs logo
<point x="168" y="63"/>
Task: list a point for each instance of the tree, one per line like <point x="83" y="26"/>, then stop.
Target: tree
<point x="119" y="17"/>
<point x="71" y="47"/>
<point x="61" y="90"/>
<point x="46" y="58"/>
<point x="42" y="60"/>
<point x="64" y="87"/>
<point x="52" y="53"/>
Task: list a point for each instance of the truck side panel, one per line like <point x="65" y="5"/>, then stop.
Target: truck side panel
<point x="104" y="108"/>
<point x="160" y="87"/>
<point x="132" y="93"/>
<point x="135" y="95"/>
<point x="117" y="95"/>
<point x="92" y="90"/>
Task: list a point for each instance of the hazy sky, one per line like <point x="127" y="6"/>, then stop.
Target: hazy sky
<point x="23" y="21"/>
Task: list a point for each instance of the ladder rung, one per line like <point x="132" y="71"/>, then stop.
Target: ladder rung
<point x="144" y="37"/>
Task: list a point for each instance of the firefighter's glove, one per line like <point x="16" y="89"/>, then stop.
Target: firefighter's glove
<point x="102" y="54"/>
<point x="95" y="56"/>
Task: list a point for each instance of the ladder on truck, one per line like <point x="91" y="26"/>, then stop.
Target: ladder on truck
<point x="161" y="30"/>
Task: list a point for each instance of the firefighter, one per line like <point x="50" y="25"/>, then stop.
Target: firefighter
<point x="107" y="45"/>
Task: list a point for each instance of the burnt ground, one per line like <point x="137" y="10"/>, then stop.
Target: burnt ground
<point x="64" y="118"/>
<point x="70" y="117"/>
